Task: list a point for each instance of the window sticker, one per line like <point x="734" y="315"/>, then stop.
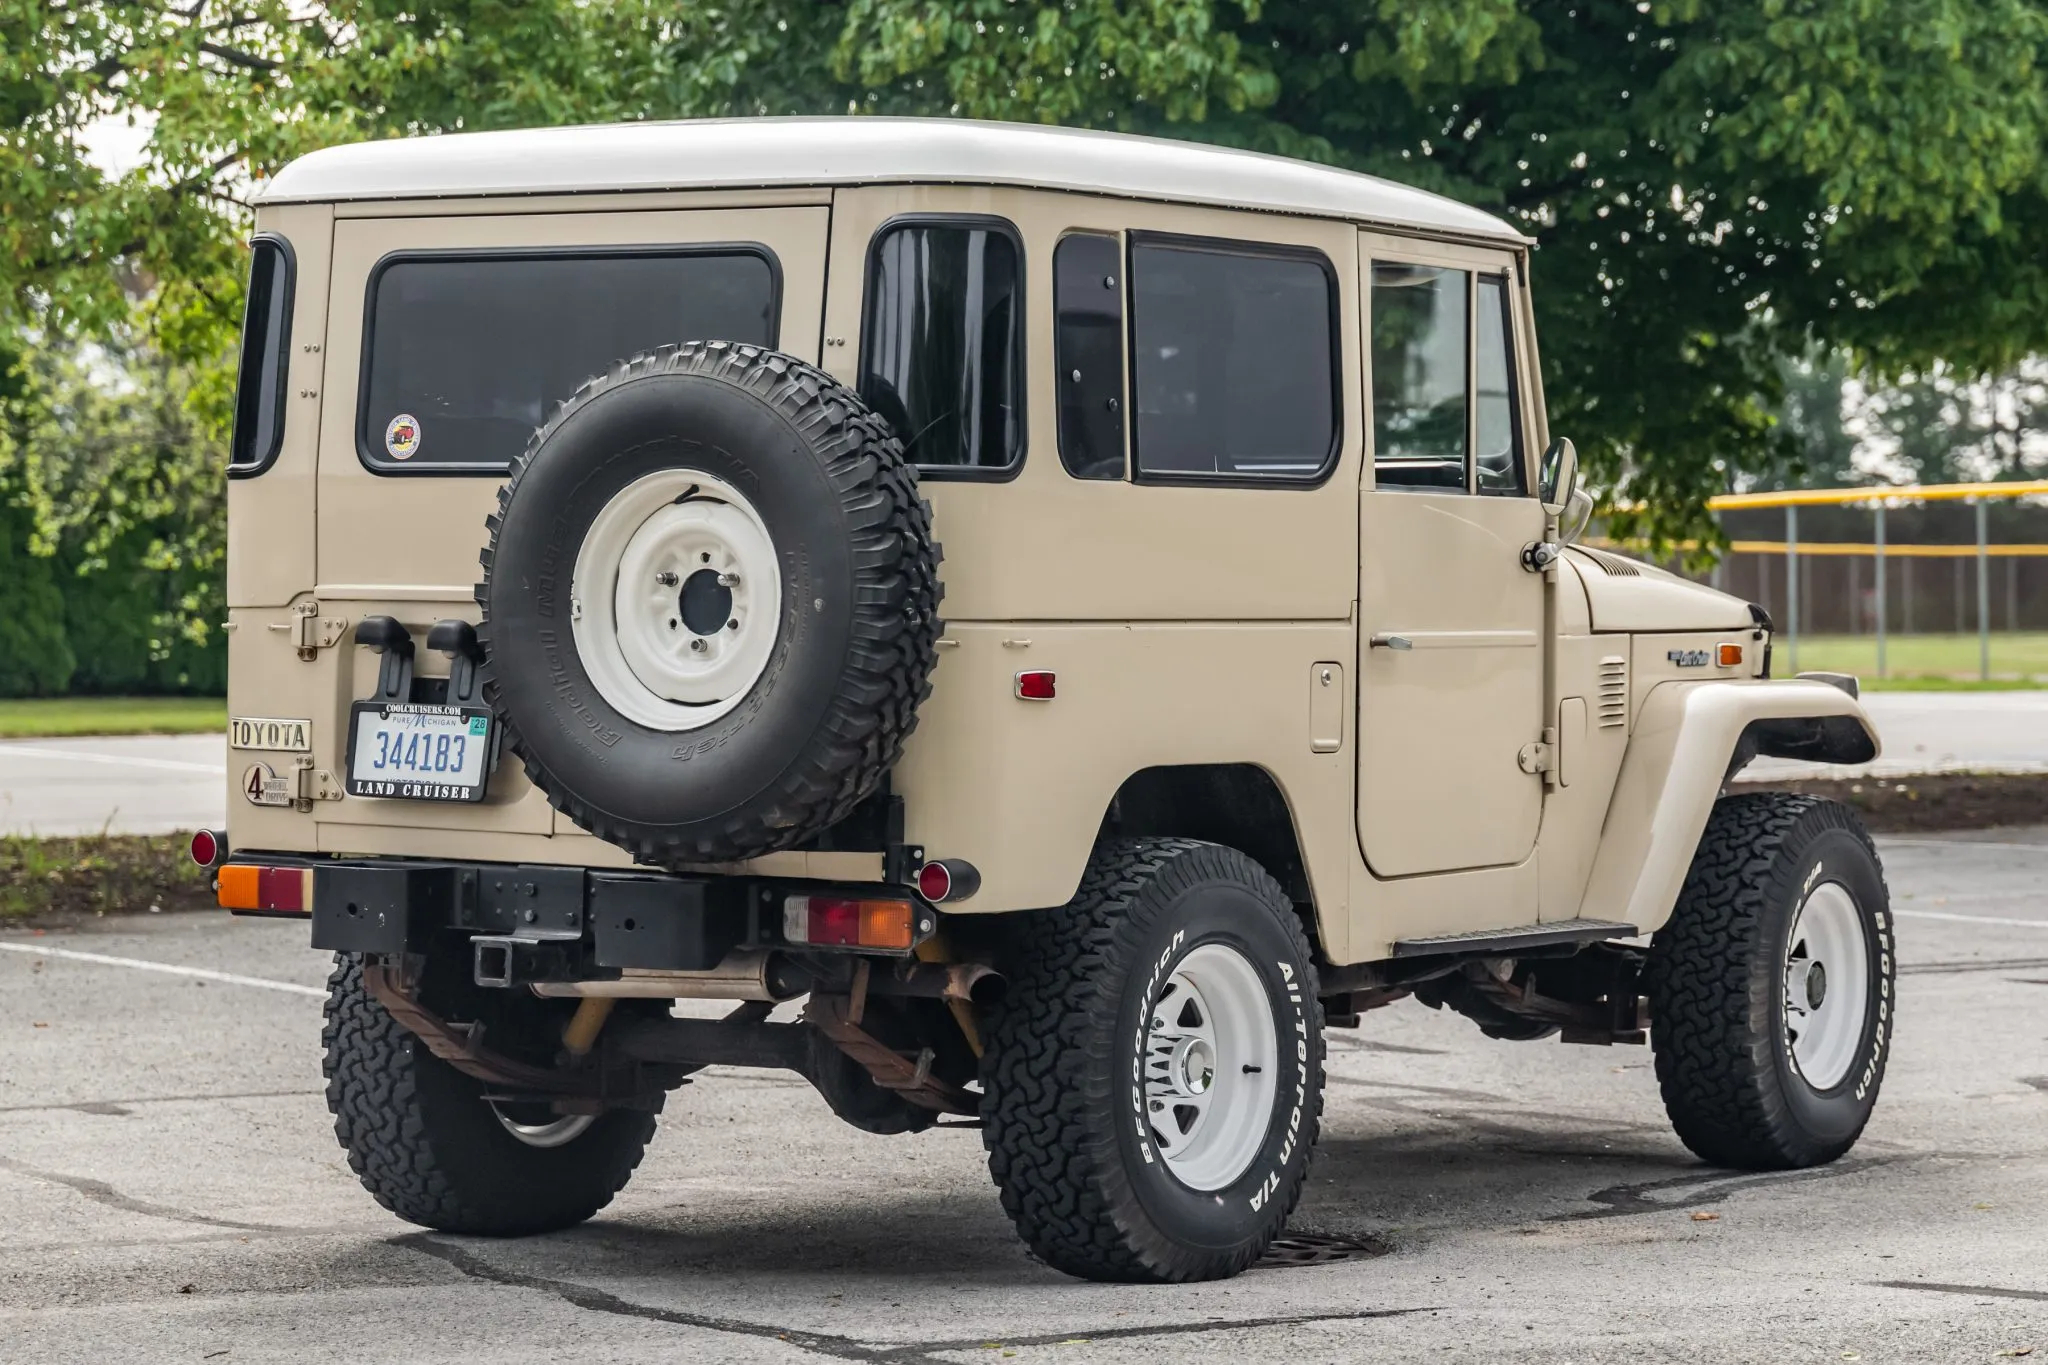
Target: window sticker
<point x="402" y="437"/>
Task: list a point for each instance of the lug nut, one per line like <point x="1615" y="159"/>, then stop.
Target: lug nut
<point x="667" y="578"/>
<point x="697" y="644"/>
<point x="728" y="579"/>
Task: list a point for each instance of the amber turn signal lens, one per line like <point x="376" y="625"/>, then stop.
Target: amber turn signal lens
<point x="1730" y="656"/>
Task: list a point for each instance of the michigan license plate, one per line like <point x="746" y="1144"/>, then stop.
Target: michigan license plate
<point x="418" y="752"/>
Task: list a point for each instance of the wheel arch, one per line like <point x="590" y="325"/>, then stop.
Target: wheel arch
<point x="1688" y="740"/>
<point x="1238" y="805"/>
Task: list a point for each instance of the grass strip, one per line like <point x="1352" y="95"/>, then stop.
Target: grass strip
<point x="98" y="874"/>
<point x="52" y="717"/>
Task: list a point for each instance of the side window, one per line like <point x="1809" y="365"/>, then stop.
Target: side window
<point x="942" y="343"/>
<point x="1497" y="456"/>
<point x="266" y="343"/>
<point x="1418" y="376"/>
<point x="1234" y="353"/>
<point x="1088" y="341"/>
<point x="466" y="352"/>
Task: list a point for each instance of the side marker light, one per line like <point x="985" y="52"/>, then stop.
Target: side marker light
<point x="1037" y="685"/>
<point x="1729" y="656"/>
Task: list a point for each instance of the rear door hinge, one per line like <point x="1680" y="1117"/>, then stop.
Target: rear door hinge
<point x="310" y="784"/>
<point x="311" y="632"/>
<point x="1540" y="756"/>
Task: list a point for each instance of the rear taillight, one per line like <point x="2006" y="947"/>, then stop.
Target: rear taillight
<point x="208" y="848"/>
<point x="844" y="922"/>
<point x="948" y="879"/>
<point x="248" y="889"/>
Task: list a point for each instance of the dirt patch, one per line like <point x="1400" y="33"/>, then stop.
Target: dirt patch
<point x="50" y="880"/>
<point x="1943" y="801"/>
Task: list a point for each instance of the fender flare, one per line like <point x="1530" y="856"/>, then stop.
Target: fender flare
<point x="1688" y="740"/>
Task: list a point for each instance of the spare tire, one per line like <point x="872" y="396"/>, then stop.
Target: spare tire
<point x="710" y="604"/>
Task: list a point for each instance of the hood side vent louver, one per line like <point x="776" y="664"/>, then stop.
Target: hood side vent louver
<point x="1614" y="566"/>
<point x="1613" y="706"/>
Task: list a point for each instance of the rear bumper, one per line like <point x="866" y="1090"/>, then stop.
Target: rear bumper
<point x="547" y="923"/>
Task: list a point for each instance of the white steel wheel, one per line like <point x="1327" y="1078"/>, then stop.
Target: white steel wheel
<point x="1827" y="985"/>
<point x="1211" y="1063"/>
<point x="553" y="1132"/>
<point x="676" y="600"/>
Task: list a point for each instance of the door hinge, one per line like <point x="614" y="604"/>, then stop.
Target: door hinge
<point x="311" y="632"/>
<point x="310" y="784"/>
<point x="1540" y="756"/>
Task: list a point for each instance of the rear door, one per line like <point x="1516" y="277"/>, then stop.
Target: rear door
<point x="451" y="338"/>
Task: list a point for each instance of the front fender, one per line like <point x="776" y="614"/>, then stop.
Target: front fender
<point x="1689" y="738"/>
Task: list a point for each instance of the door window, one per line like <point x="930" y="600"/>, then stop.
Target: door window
<point x="942" y="348"/>
<point x="466" y="353"/>
<point x="1443" y="396"/>
<point x="1234" y="351"/>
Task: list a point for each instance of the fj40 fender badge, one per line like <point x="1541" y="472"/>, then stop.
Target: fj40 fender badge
<point x="263" y="787"/>
<point x="402" y="436"/>
<point x="1690" y="658"/>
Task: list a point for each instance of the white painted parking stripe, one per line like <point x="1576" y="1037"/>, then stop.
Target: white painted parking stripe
<point x="1972" y="919"/>
<point x="173" y="765"/>
<point x="139" y="964"/>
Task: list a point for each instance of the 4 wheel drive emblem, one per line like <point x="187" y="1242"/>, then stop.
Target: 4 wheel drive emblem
<point x="263" y="787"/>
<point x="402" y="436"/>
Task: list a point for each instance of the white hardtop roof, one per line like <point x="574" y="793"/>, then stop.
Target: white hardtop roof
<point x="784" y="152"/>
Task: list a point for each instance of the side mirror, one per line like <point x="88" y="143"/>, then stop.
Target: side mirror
<point x="1559" y="476"/>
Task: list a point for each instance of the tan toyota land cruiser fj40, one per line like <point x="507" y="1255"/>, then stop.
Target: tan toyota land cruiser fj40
<point x="588" y="655"/>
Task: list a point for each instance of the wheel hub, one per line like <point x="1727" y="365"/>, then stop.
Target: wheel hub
<point x="676" y="600"/>
<point x="1827" y="985"/>
<point x="1211" y="1058"/>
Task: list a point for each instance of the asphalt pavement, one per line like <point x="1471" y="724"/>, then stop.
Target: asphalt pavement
<point x="170" y="1190"/>
<point x="152" y="784"/>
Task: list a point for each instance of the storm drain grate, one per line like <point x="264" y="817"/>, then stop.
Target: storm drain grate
<point x="1309" y="1248"/>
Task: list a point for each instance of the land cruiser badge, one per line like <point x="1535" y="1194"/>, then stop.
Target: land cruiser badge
<point x="402" y="437"/>
<point x="1690" y="658"/>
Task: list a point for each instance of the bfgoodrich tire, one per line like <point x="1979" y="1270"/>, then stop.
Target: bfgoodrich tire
<point x="710" y="604"/>
<point x="1771" y="989"/>
<point x="1153" y="1077"/>
<point x="428" y="1146"/>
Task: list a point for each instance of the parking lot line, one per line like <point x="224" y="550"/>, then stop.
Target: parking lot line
<point x="139" y="964"/>
<point x="175" y="765"/>
<point x="1973" y="919"/>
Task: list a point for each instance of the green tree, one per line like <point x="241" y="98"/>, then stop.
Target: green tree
<point x="1717" y="186"/>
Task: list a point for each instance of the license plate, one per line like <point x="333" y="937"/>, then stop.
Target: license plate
<point x="417" y="752"/>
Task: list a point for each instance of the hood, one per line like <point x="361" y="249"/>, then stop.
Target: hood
<point x="1627" y="595"/>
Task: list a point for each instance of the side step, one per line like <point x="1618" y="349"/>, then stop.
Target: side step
<point x="1506" y="942"/>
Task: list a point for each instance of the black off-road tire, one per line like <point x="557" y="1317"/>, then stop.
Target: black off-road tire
<point x="1084" y="1184"/>
<point x="423" y="1141"/>
<point x="1716" y="983"/>
<point x="856" y="640"/>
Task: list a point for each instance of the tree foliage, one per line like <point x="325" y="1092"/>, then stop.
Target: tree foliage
<point x="1718" y="187"/>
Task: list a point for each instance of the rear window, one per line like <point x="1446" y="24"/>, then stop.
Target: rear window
<point x="465" y="354"/>
<point x="1235" y="359"/>
<point x="266" y="339"/>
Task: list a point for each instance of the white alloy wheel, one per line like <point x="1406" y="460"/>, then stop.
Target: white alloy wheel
<point x="1211" y="1065"/>
<point x="676" y="599"/>
<point x="556" y="1132"/>
<point x="1827" y="985"/>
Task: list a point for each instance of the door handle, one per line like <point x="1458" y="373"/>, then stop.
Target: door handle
<point x="1392" y="642"/>
<point x="1456" y="639"/>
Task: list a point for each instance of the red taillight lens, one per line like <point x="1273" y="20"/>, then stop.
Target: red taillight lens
<point x="934" y="882"/>
<point x="1038" y="685"/>
<point x="266" y="890"/>
<point x="948" y="879"/>
<point x="207" y="847"/>
<point x="841" y="922"/>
